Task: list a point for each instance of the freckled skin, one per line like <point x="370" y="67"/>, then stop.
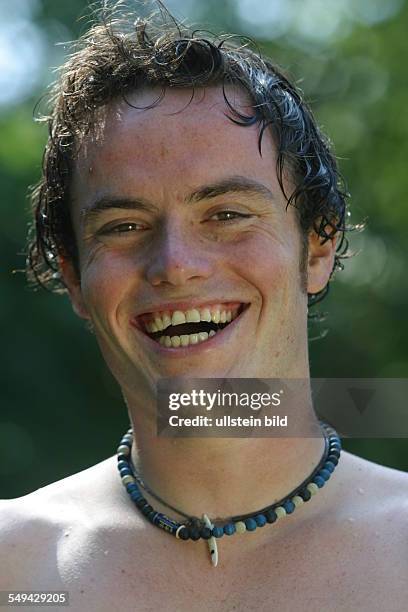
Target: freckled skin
<point x="256" y="261"/>
<point x="315" y="559"/>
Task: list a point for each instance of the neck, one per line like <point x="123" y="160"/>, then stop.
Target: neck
<point x="222" y="477"/>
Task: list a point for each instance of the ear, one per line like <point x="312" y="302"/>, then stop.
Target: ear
<point x="73" y="284"/>
<point x="320" y="261"/>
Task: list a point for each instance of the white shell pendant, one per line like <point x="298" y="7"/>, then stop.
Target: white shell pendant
<point x="212" y="543"/>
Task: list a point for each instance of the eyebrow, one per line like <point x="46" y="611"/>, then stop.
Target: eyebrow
<point x="233" y="184"/>
<point x="111" y="202"/>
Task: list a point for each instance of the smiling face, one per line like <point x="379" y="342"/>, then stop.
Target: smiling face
<point x="190" y="263"/>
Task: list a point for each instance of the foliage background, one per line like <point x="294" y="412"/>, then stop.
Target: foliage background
<point x="61" y="411"/>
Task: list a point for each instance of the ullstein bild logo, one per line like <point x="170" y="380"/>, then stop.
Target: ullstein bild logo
<point x="228" y="421"/>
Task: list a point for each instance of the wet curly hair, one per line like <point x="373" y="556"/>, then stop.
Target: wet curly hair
<point x="119" y="55"/>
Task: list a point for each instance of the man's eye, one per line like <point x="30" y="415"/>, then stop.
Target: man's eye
<point x="228" y="215"/>
<point x="123" y="228"/>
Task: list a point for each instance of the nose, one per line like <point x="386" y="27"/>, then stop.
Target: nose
<point x="177" y="256"/>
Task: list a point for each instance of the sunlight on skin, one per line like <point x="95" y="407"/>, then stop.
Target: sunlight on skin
<point x="175" y="250"/>
<point x="252" y="260"/>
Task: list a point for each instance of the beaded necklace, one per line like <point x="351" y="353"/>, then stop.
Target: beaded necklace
<point x="195" y="528"/>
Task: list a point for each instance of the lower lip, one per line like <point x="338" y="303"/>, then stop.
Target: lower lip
<point x="220" y="338"/>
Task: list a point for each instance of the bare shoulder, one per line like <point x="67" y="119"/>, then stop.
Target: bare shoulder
<point x="379" y="492"/>
<point x="372" y="516"/>
<point x="27" y="533"/>
<point x="356" y="533"/>
<point x="387" y="483"/>
<point x="42" y="524"/>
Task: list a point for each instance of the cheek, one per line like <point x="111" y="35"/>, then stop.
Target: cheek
<point x="270" y="263"/>
<point x="105" y="279"/>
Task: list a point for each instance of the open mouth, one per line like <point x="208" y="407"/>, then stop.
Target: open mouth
<point x="179" y="329"/>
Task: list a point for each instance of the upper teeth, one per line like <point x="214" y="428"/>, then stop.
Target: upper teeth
<point x="161" y="320"/>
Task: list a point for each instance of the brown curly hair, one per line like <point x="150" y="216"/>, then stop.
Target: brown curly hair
<point x="119" y="55"/>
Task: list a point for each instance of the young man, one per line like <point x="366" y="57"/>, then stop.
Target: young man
<point x="154" y="202"/>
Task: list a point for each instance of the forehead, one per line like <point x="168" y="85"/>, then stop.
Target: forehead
<point x="176" y="145"/>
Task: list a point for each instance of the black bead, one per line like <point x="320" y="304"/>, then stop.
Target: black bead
<point x="305" y="495"/>
<point x="141" y="502"/>
<point x="151" y="515"/>
<point x="194" y="534"/>
<point x="335" y="446"/>
<point x="271" y="516"/>
<point x="146" y="509"/>
<point x="205" y="533"/>
<point x="184" y="533"/>
<point x="335" y="441"/>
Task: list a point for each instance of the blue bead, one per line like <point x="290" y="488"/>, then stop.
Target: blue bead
<point x="122" y="464"/>
<point x="250" y="524"/>
<point x="333" y="459"/>
<point x="325" y="474"/>
<point x="126" y="443"/>
<point x="125" y="472"/>
<point x="329" y="466"/>
<point x="229" y="529"/>
<point x="319" y="481"/>
<point x="334" y="455"/>
<point x="260" y="520"/>
<point x="218" y="532"/>
<point x="135" y="495"/>
<point x="157" y="518"/>
<point x="131" y="486"/>
<point x="289" y="506"/>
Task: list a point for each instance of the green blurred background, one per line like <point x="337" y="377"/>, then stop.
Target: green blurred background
<point x="61" y="411"/>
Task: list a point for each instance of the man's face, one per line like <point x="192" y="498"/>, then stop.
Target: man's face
<point x="175" y="211"/>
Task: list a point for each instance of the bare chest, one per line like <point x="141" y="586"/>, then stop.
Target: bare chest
<point x="315" y="574"/>
<point x="275" y="591"/>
